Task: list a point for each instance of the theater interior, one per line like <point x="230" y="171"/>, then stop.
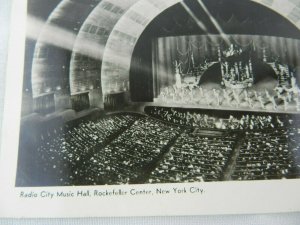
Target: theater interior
<point x="152" y="91"/>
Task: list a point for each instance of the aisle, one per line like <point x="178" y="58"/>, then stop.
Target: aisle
<point x="235" y="154"/>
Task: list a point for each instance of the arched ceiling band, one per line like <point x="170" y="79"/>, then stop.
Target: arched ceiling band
<point x="86" y="59"/>
<point x="50" y="71"/>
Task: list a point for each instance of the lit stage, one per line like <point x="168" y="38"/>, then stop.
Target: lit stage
<point x="252" y="99"/>
<point x="247" y="74"/>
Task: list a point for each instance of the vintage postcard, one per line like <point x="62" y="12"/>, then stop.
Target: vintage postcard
<point x="151" y="107"/>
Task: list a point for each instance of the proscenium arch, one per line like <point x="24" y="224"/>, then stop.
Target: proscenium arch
<point x="121" y="42"/>
<point x="118" y="52"/>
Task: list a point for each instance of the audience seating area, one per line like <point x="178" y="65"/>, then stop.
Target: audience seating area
<point x="294" y="146"/>
<point x="130" y="148"/>
<point x="128" y="158"/>
<point x="195" y="158"/>
<point x="64" y="151"/>
<point x="265" y="155"/>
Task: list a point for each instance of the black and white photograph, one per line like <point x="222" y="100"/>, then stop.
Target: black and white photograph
<point x="123" y="92"/>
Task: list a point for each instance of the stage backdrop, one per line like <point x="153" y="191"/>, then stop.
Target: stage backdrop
<point x="199" y="51"/>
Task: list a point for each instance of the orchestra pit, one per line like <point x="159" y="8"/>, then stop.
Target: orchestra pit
<point x="148" y="97"/>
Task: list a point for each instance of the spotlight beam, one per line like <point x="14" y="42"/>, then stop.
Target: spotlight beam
<point x="214" y="21"/>
<point x="190" y="12"/>
<point x="50" y="34"/>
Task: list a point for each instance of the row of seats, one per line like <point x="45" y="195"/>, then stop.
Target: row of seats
<point x="195" y="158"/>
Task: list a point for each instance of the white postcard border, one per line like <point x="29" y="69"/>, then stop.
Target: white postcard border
<point x="243" y="197"/>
